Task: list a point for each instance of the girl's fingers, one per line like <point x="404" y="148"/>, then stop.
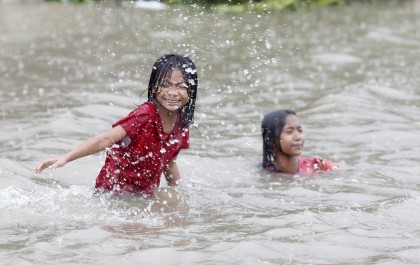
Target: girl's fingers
<point x="42" y="165"/>
<point x="39" y="167"/>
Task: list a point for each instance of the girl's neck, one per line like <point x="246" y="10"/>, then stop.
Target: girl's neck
<point x="285" y="163"/>
<point x="168" y="119"/>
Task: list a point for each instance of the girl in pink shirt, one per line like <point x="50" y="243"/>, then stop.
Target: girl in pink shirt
<point x="146" y="143"/>
<point x="283" y="141"/>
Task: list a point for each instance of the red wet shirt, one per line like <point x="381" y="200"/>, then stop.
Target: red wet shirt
<point x="135" y="164"/>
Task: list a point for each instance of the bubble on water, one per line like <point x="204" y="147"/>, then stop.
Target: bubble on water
<point x="228" y="89"/>
<point x="268" y="45"/>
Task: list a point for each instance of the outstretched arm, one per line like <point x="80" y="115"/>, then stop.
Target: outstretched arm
<point x="171" y="173"/>
<point x="91" y="146"/>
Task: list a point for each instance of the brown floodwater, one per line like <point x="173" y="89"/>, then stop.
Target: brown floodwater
<point x="67" y="72"/>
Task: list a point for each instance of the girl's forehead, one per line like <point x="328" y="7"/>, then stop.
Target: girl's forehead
<point x="176" y="76"/>
<point x="291" y="121"/>
<point x="177" y="73"/>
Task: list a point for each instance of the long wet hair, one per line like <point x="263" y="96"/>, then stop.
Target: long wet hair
<point x="271" y="127"/>
<point x="162" y="70"/>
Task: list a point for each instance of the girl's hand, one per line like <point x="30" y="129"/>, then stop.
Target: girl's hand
<point x="91" y="146"/>
<point x="52" y="163"/>
<point x="325" y="165"/>
<point x="171" y="173"/>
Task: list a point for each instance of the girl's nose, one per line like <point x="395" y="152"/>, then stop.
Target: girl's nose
<point x="298" y="136"/>
<point x="172" y="90"/>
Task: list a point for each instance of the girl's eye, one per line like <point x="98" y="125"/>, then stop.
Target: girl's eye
<point x="164" y="85"/>
<point x="182" y="86"/>
<point x="168" y="85"/>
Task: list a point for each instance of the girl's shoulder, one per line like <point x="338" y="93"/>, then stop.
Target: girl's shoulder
<point x="143" y="113"/>
<point x="147" y="108"/>
<point x="315" y="164"/>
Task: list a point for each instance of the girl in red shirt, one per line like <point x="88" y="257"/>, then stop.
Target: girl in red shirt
<point x="283" y="140"/>
<point x="145" y="144"/>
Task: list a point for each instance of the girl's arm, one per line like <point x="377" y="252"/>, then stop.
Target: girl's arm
<point x="171" y="173"/>
<point x="91" y="146"/>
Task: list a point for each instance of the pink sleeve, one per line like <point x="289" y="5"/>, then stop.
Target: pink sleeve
<point x="313" y="165"/>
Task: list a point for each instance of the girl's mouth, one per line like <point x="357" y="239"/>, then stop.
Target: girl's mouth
<point x="172" y="102"/>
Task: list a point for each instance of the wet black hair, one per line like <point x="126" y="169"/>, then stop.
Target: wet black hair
<point x="162" y="70"/>
<point x="271" y="128"/>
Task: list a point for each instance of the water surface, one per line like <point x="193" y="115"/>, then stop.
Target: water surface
<point x="68" y="72"/>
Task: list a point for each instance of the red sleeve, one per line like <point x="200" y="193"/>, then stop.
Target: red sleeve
<point x="135" y="120"/>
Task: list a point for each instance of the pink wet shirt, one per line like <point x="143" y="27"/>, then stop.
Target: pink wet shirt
<point x="312" y="165"/>
<point x="135" y="164"/>
<point x="309" y="165"/>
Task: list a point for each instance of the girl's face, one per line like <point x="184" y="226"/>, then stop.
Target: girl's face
<point x="172" y="94"/>
<point x="292" y="137"/>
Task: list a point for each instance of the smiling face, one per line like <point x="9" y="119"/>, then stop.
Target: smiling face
<point x="172" y="94"/>
<point x="292" y="137"/>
